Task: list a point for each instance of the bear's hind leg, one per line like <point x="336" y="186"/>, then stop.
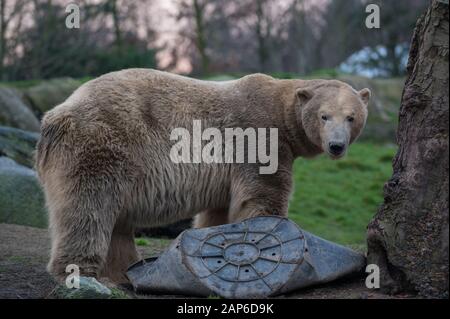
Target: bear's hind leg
<point x="82" y="217"/>
<point x="80" y="236"/>
<point x="121" y="254"/>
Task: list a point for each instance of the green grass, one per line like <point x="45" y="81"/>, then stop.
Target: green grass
<point x="118" y="294"/>
<point x="141" y="241"/>
<point x="337" y="199"/>
<point x="18" y="259"/>
<point x="25" y="84"/>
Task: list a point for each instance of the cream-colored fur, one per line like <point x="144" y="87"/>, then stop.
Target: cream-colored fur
<point x="103" y="157"/>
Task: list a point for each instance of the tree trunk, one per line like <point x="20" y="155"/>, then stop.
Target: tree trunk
<point x="201" y="38"/>
<point x="2" y="38"/>
<point x="116" y="23"/>
<point x="408" y="238"/>
<point x="261" y="37"/>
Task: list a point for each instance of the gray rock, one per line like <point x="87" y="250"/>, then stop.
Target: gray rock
<point x="48" y="94"/>
<point x="90" y="288"/>
<point x="21" y="197"/>
<point x="14" y="112"/>
<point x="18" y="145"/>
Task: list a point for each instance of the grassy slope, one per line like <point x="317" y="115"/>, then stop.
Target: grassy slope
<point x="337" y="199"/>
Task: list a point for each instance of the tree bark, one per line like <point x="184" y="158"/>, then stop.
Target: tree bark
<point x="408" y="238"/>
<point x="2" y="37"/>
<point x="201" y="38"/>
<point x="116" y="22"/>
<point x="261" y="37"/>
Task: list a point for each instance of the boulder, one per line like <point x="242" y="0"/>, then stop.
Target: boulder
<point x="21" y="198"/>
<point x="48" y="94"/>
<point x="18" y="145"/>
<point x="89" y="288"/>
<point x="14" y="112"/>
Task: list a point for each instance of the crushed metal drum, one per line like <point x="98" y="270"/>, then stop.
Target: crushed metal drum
<point x="259" y="257"/>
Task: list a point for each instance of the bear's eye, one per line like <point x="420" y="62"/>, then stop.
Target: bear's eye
<point x="350" y="118"/>
<point x="324" y="117"/>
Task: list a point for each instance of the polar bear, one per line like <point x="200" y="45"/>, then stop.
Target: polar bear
<point x="103" y="157"/>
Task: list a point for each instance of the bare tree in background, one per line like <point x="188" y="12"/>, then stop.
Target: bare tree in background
<point x="114" y="35"/>
<point x="341" y="33"/>
<point x="397" y="19"/>
<point x="112" y="8"/>
<point x="193" y="12"/>
<point x="214" y="36"/>
<point x="261" y="29"/>
<point x="199" y="11"/>
<point x="6" y="20"/>
<point x="300" y="46"/>
<point x="2" y="35"/>
<point x="409" y="237"/>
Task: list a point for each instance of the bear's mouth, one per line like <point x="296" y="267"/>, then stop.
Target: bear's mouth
<point x="336" y="157"/>
<point x="336" y="153"/>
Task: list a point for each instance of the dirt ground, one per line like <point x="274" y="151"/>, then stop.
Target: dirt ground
<point x="24" y="253"/>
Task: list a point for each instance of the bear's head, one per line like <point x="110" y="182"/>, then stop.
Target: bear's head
<point x="333" y="115"/>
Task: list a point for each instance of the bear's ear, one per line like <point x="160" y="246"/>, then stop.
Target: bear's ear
<point x="365" y="95"/>
<point x="304" y="94"/>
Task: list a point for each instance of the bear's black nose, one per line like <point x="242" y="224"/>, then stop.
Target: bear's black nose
<point x="336" y="148"/>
